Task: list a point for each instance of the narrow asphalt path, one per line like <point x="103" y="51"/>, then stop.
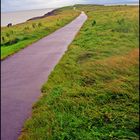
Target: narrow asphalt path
<point x="23" y="74"/>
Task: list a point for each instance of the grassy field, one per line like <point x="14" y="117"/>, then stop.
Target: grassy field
<point x="20" y="36"/>
<point x="92" y="94"/>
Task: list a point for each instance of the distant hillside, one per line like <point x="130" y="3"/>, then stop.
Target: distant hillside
<point x="54" y="12"/>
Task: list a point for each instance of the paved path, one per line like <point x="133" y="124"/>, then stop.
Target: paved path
<point x="23" y="74"/>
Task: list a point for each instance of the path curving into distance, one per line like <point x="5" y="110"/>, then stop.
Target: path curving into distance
<point x="23" y="74"/>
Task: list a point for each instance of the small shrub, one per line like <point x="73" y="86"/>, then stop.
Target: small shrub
<point x="93" y="22"/>
<point x="33" y="25"/>
<point x="11" y="42"/>
<point x="26" y="28"/>
<point x="11" y="31"/>
<point x="3" y="38"/>
<point x="7" y="34"/>
<point x="57" y="24"/>
<point x="85" y="56"/>
<point x="121" y="21"/>
<point x="46" y="28"/>
<point x="88" y="81"/>
<point x="25" y="38"/>
<point x="39" y="24"/>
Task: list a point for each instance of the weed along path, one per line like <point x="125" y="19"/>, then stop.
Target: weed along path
<point x="23" y="74"/>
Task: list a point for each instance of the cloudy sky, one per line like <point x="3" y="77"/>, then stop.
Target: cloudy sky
<point x="14" y="5"/>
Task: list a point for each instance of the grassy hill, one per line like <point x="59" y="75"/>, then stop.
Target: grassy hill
<point x="20" y="36"/>
<point x="92" y="94"/>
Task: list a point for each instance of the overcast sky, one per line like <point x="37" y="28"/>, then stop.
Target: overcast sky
<point x="14" y="5"/>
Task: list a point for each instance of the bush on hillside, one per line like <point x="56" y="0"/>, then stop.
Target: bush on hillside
<point x="93" y="22"/>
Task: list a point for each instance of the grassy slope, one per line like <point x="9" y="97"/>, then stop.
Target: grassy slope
<point x="92" y="94"/>
<point x="19" y="36"/>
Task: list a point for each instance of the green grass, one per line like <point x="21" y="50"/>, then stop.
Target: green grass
<point x="92" y="94"/>
<point x="20" y="36"/>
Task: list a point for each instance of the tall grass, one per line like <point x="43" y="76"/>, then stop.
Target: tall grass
<point x="93" y="93"/>
<point x="19" y="36"/>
